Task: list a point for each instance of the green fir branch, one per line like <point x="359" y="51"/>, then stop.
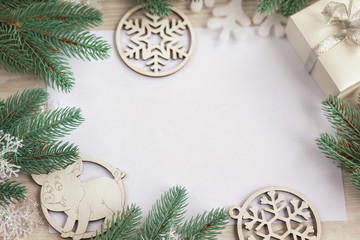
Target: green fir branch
<point x="268" y="6"/>
<point x="355" y="178"/>
<point x="345" y="153"/>
<point x="11" y="191"/>
<point x="38" y="14"/>
<point x="21" y="106"/>
<point x="344" y="118"/>
<point x="168" y="211"/>
<point x="46" y="158"/>
<point x="289" y="7"/>
<point x="14" y="4"/>
<point x="122" y="226"/>
<point x="285" y="7"/>
<point x="205" y="226"/>
<point x="23" y="116"/>
<point x="35" y="37"/>
<point x="164" y="221"/>
<point x="48" y="125"/>
<point x="161" y="8"/>
<point x="344" y="145"/>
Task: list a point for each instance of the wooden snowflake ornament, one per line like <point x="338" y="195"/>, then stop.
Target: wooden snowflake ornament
<point x="276" y="213"/>
<point x="92" y="200"/>
<point x="154" y="46"/>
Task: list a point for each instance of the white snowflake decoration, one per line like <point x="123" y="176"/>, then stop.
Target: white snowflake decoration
<point x="274" y="21"/>
<point x="267" y="209"/>
<point x="7" y="169"/>
<point x="171" y="235"/>
<point x="17" y="221"/>
<point x="141" y="47"/>
<point x="230" y="18"/>
<point x="8" y="144"/>
<point x="196" y="6"/>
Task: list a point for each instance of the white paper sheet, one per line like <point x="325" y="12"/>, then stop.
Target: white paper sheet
<point x="239" y="117"/>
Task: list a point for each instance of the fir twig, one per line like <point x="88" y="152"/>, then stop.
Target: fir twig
<point x="11" y="191"/>
<point x="268" y="6"/>
<point x="35" y="36"/>
<point x="122" y="226"/>
<point x="47" y="158"/>
<point x="289" y="7"/>
<point x="343" y="117"/>
<point x="49" y="125"/>
<point x="161" y="8"/>
<point x="344" y="146"/>
<point x="285" y="7"/>
<point x="20" y="106"/>
<point x="22" y="116"/>
<point x="205" y="226"/>
<point x="345" y="153"/>
<point x="355" y="178"/>
<point x="167" y="211"/>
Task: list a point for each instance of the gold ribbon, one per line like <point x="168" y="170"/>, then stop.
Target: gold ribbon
<point x="337" y="13"/>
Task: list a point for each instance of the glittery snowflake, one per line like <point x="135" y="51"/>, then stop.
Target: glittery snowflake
<point x="170" y="235"/>
<point x="17" y="221"/>
<point x="8" y="144"/>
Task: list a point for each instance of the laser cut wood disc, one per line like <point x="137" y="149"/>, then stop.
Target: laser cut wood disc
<point x="277" y="213"/>
<point x="155" y="46"/>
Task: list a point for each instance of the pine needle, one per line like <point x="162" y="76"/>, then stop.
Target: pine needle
<point x="23" y="116"/>
<point x="168" y="211"/>
<point x="11" y="191"/>
<point x="205" y="226"/>
<point x="122" y="226"/>
<point x="344" y="146"/>
<point x="37" y="36"/>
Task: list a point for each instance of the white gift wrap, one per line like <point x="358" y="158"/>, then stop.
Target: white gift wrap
<point x="337" y="72"/>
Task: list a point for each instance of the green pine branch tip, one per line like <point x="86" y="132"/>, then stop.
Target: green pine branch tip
<point x="10" y="192"/>
<point x="23" y="115"/>
<point x="344" y="146"/>
<point x="205" y="226"/>
<point x="167" y="211"/>
<point x="37" y="36"/>
<point x="285" y="7"/>
<point x="122" y="225"/>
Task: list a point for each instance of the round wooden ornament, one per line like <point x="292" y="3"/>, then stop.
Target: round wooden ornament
<point x="277" y="213"/>
<point x="92" y="200"/>
<point x="154" y="46"/>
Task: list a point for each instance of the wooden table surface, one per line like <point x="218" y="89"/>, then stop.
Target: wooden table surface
<point x="113" y="10"/>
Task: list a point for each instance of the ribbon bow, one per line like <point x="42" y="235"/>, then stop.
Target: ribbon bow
<point x="337" y="13"/>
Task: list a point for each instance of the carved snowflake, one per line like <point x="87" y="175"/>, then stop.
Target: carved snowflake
<point x="277" y="216"/>
<point x="156" y="55"/>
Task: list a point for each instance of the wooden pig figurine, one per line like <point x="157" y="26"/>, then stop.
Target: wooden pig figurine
<point x="91" y="200"/>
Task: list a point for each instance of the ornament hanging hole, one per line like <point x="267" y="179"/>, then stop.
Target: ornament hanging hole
<point x="235" y="212"/>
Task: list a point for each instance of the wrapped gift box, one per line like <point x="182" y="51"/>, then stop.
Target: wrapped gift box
<point x="337" y="71"/>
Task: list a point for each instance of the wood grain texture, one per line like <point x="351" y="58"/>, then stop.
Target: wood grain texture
<point x="113" y="11"/>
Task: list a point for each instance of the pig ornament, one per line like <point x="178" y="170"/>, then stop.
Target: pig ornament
<point x="91" y="200"/>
